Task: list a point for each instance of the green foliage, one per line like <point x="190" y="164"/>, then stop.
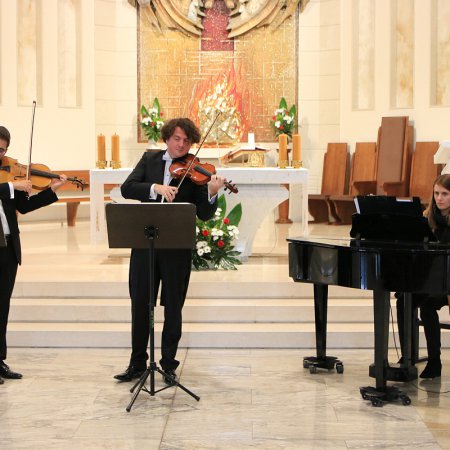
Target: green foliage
<point x="151" y="120"/>
<point x="215" y="237"/>
<point x="284" y="119"/>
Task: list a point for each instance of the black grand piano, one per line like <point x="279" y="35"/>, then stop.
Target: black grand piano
<point x="382" y="266"/>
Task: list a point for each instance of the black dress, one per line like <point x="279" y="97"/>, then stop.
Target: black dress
<point x="429" y="304"/>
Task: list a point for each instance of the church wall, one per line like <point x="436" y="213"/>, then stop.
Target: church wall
<point x="57" y="33"/>
<point x="99" y="93"/>
<point x="430" y="120"/>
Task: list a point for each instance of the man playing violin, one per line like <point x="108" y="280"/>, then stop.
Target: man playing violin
<point x="151" y="181"/>
<point x="14" y="196"/>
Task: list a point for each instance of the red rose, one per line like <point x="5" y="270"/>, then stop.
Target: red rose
<point x="226" y="221"/>
<point x="152" y="124"/>
<point x="205" y="232"/>
<point x="161" y="114"/>
<point x="220" y="244"/>
<point x="281" y="127"/>
<point x="274" y="117"/>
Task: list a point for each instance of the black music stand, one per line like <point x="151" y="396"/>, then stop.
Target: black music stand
<point x="151" y="225"/>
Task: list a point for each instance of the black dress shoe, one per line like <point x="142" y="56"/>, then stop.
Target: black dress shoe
<point x="170" y="377"/>
<point x="130" y="373"/>
<point x="432" y="369"/>
<point x="6" y="372"/>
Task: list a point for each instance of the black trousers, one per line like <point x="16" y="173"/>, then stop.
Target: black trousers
<point x="172" y="271"/>
<point x="8" y="271"/>
<point x="429" y="306"/>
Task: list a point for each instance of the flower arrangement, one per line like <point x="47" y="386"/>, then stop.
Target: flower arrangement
<point x="151" y="121"/>
<point x="214" y="239"/>
<point x="283" y="121"/>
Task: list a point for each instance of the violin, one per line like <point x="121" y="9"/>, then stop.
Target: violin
<point x="189" y="166"/>
<point x="40" y="174"/>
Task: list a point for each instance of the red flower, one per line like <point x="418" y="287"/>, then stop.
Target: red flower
<point x="152" y="124"/>
<point x="274" y="117"/>
<point x="205" y="232"/>
<point x="281" y="127"/>
<point x="161" y="114"/>
<point x="226" y="221"/>
<point x="220" y="244"/>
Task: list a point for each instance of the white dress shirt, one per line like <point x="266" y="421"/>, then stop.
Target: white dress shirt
<point x="5" y="225"/>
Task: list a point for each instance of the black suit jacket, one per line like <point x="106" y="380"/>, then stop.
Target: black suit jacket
<point x="22" y="204"/>
<point x="150" y="170"/>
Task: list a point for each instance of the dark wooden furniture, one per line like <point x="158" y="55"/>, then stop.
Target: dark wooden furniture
<point x="334" y="182"/>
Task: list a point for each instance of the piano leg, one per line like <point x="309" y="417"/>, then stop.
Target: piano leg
<point x="379" y="370"/>
<point x="321" y="361"/>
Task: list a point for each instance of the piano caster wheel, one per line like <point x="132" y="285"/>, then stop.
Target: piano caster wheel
<point x="405" y="400"/>
<point x="305" y="364"/>
<point x="339" y="367"/>
<point x="377" y="402"/>
<point x="312" y="369"/>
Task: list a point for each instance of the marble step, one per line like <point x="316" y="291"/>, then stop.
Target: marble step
<point x="195" y="335"/>
<point x="198" y="288"/>
<point x="215" y="310"/>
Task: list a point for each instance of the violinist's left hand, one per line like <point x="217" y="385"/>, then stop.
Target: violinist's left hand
<point x="215" y="184"/>
<point x="58" y="182"/>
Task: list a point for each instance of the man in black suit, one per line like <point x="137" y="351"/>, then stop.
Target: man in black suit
<point x="151" y="181"/>
<point x="14" y="196"/>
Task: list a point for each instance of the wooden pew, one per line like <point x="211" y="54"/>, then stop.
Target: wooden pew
<point x="73" y="196"/>
<point x="362" y="169"/>
<point x="334" y="182"/>
<point x="423" y="172"/>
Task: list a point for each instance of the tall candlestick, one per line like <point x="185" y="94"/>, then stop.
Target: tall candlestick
<point x="115" y="151"/>
<point x="296" y="151"/>
<point x="282" y="151"/>
<point x="101" y="152"/>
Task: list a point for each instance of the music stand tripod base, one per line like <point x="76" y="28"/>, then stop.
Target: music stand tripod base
<point x="149" y="372"/>
<point x="325" y="362"/>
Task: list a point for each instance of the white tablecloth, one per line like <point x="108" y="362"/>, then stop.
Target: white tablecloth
<point x="260" y="191"/>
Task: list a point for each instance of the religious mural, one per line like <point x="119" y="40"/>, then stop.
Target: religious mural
<point x="236" y="57"/>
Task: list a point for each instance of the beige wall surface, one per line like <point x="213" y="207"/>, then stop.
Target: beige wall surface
<point x="105" y="86"/>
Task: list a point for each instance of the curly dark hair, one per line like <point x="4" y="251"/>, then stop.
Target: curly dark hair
<point x="4" y="134"/>
<point x="189" y="127"/>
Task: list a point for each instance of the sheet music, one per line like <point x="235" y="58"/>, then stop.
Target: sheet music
<point x="357" y="205"/>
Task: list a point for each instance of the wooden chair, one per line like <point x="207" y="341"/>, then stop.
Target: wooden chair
<point x="393" y="161"/>
<point x="334" y="182"/>
<point x="362" y="169"/>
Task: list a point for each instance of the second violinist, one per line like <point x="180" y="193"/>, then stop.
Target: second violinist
<point x="15" y="196"/>
<point x="151" y="181"/>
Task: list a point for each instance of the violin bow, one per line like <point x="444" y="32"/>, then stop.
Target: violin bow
<point x="199" y="147"/>
<point x="31" y="141"/>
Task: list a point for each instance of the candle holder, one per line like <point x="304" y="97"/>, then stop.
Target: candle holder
<point x="101" y="164"/>
<point x="116" y="164"/>
<point x="296" y="164"/>
<point x="283" y="163"/>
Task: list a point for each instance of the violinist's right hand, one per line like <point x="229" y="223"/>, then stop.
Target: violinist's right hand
<point x="167" y="192"/>
<point x="23" y="185"/>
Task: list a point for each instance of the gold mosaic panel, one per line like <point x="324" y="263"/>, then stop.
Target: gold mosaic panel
<point x="263" y="67"/>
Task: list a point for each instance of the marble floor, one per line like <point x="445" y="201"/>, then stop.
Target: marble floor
<point x="249" y="398"/>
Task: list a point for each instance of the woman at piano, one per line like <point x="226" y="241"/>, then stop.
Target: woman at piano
<point x="438" y="214"/>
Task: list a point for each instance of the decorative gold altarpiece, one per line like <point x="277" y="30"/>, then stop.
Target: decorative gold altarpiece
<point x="255" y="70"/>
